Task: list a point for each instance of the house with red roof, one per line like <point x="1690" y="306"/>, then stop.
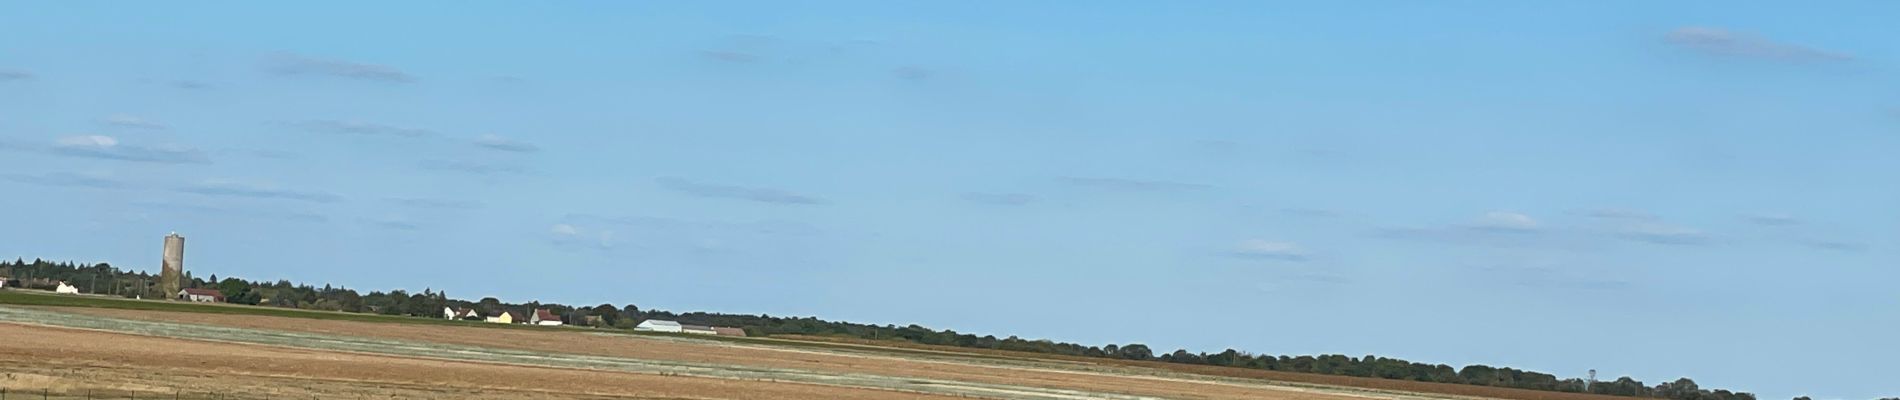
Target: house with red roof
<point x="201" y="295"/>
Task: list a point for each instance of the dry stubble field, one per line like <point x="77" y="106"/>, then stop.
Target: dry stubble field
<point x="279" y="357"/>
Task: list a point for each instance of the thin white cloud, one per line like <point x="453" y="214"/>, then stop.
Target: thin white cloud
<point x="1723" y="42"/>
<point x="1269" y="249"/>
<point x="496" y="142"/>
<point x="470" y="167"/>
<point x="567" y="235"/>
<point x="1618" y="213"/>
<point x="109" y="148"/>
<point x="296" y="65"/>
<point x="67" y="179"/>
<point x="190" y="85"/>
<point x="131" y="121"/>
<point x="1660" y="233"/>
<point x="1000" y="199"/>
<point x="730" y="56"/>
<point x="428" y="203"/>
<point x="1507" y="221"/>
<point x="226" y="188"/>
<point x="1132" y="185"/>
<point x="754" y="194"/>
<point x="1772" y="219"/>
<point x="357" y="127"/>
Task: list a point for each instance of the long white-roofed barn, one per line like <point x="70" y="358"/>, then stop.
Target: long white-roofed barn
<point x="654" y="325"/>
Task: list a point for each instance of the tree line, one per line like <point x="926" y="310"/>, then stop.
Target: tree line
<point x="104" y="279"/>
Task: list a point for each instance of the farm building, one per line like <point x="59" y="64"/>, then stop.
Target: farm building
<point x="724" y="331"/>
<point x="698" y="329"/>
<point x="460" y="313"/>
<point x="544" y="317"/>
<point x="506" y="317"/>
<point x="654" y="325"/>
<point x="201" y="295"/>
<point x="66" y="289"/>
<point x="3" y="282"/>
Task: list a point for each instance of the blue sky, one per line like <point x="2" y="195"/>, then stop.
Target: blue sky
<point x="1699" y="189"/>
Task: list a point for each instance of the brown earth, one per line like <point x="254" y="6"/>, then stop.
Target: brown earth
<point x="73" y="361"/>
<point x="1282" y="376"/>
<point x="574" y="342"/>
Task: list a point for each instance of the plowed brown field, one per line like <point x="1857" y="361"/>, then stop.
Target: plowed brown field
<point x="131" y="360"/>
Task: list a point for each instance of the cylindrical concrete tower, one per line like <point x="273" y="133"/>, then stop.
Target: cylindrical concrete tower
<point x="171" y="276"/>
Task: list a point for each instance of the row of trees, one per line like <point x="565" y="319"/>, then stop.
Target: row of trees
<point x="104" y="279"/>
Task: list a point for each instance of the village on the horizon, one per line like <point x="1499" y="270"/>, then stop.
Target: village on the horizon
<point x="172" y="276"/>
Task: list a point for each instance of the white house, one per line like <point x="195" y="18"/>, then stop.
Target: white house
<point x="654" y="325"/>
<point x="544" y="318"/>
<point x="464" y="314"/>
<point x="698" y="329"/>
<point x="201" y="295"/>
<point x="3" y="282"/>
<point x="66" y="289"/>
<point x="506" y="317"/>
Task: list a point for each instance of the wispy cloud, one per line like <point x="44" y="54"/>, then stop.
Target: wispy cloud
<point x="1269" y="249"/>
<point x="681" y="226"/>
<point x="1000" y="199"/>
<point x="1309" y="212"/>
<point x="730" y="56"/>
<point x="754" y="194"/>
<point x="67" y="179"/>
<point x="495" y="142"/>
<point x="1835" y="245"/>
<point x="14" y="75"/>
<point x="1619" y="214"/>
<point x="471" y="167"/>
<point x="912" y="73"/>
<point x="1492" y="228"/>
<point x="1660" y="233"/>
<point x="1132" y="185"/>
<point x="1723" y="42"/>
<point x="130" y="121"/>
<point x="428" y="203"/>
<point x="1771" y="219"/>
<point x="357" y="128"/>
<point x="169" y="207"/>
<point x="263" y="191"/>
<point x="109" y="148"/>
<point x="1553" y="278"/>
<point x="1507" y="222"/>
<point x="297" y="65"/>
<point x="190" y="85"/>
<point x="571" y="236"/>
<point x="392" y="224"/>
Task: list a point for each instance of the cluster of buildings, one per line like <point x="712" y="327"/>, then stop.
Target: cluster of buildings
<point x="655" y="325"/>
<point x="543" y="317"/>
<point x="172" y="271"/>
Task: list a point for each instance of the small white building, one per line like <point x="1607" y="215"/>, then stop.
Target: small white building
<point x="462" y="314"/>
<point x="3" y="282"/>
<point x="654" y="325"/>
<point x="543" y="317"/>
<point x="66" y="289"/>
<point x="201" y="295"/>
<point x="698" y="329"/>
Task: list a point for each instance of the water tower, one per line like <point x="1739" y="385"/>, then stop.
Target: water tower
<point x="171" y="275"/>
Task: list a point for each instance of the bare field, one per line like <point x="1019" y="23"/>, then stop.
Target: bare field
<point x="70" y="360"/>
<point x="1281" y="376"/>
<point x="410" y="361"/>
